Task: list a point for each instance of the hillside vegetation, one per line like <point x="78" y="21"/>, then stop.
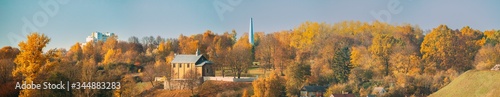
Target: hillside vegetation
<point x="348" y="56"/>
<point x="472" y="83"/>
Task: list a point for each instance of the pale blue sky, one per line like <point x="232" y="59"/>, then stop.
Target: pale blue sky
<point x="76" y="19"/>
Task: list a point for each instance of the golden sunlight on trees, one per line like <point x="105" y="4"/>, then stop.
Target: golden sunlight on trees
<point x="265" y="52"/>
<point x="222" y="45"/>
<point x="271" y="86"/>
<point x="436" y="49"/>
<point x="76" y="52"/>
<point x="492" y="37"/>
<point x="303" y="35"/>
<point x="245" y="93"/>
<point x="188" y="45"/>
<point x="240" y="56"/>
<point x="110" y="43"/>
<point x="112" y="56"/>
<point x="487" y="57"/>
<point x="405" y="64"/>
<point x="346" y="57"/>
<point x="381" y="49"/>
<point x="444" y="48"/>
<point x="164" y="48"/>
<point x="31" y="61"/>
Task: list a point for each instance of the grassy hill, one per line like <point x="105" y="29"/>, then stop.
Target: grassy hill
<point x="472" y="83"/>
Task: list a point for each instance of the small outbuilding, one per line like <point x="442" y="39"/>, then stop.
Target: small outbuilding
<point x="312" y="91"/>
<point x="342" y="95"/>
<point x="378" y="91"/>
<point x="496" y="67"/>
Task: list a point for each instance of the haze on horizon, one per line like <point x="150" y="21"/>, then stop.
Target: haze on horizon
<point x="73" y="20"/>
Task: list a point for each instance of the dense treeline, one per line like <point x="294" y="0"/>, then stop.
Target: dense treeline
<point x="349" y="56"/>
<point x="354" y="57"/>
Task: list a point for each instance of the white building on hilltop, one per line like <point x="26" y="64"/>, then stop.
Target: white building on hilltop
<point x="98" y="36"/>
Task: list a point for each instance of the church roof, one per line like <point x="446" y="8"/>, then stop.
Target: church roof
<point x="186" y="58"/>
<point x="314" y="88"/>
<point x="198" y="60"/>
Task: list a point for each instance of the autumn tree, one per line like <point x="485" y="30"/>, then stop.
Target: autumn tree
<point x="188" y="45"/>
<point x="206" y="43"/>
<point x="133" y="39"/>
<point x="8" y="82"/>
<point x="435" y="45"/>
<point x="381" y="50"/>
<point x="361" y="57"/>
<point x="76" y="52"/>
<point x="128" y="87"/>
<point x="295" y="75"/>
<point x="31" y="61"/>
<point x="245" y="93"/>
<point x="88" y="74"/>
<point x="487" y="57"/>
<point x="471" y="41"/>
<point x="240" y="56"/>
<point x="492" y="37"/>
<point x="405" y="57"/>
<point x="270" y="86"/>
<point x="192" y="80"/>
<point x="222" y="45"/>
<point x="164" y="49"/>
<point x="7" y="56"/>
<point x="304" y="34"/>
<point x="151" y="71"/>
<point x="284" y="53"/>
<point x="110" y="44"/>
<point x="266" y="51"/>
<point x="442" y="49"/>
<point x="112" y="56"/>
<point x="303" y="38"/>
<point x="405" y="63"/>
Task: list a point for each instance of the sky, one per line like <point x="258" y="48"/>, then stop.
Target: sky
<point x="69" y="21"/>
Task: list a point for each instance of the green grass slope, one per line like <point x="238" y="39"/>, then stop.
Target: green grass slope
<point x="472" y="83"/>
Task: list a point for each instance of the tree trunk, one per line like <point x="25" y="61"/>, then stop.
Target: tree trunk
<point x="386" y="62"/>
<point x="239" y="74"/>
<point x="151" y="81"/>
<point x="223" y="72"/>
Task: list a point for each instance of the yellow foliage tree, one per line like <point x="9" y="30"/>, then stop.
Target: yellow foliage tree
<point x="188" y="45"/>
<point x="271" y="86"/>
<point x="303" y="35"/>
<point x="487" y="57"/>
<point x="443" y="49"/>
<point x="356" y="57"/>
<point x="245" y="93"/>
<point x="31" y="61"/>
<point x="110" y="43"/>
<point x="112" y="56"/>
<point x="405" y="64"/>
<point x="164" y="49"/>
<point x="76" y="52"/>
<point x="436" y="45"/>
<point x="381" y="50"/>
<point x="240" y="56"/>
